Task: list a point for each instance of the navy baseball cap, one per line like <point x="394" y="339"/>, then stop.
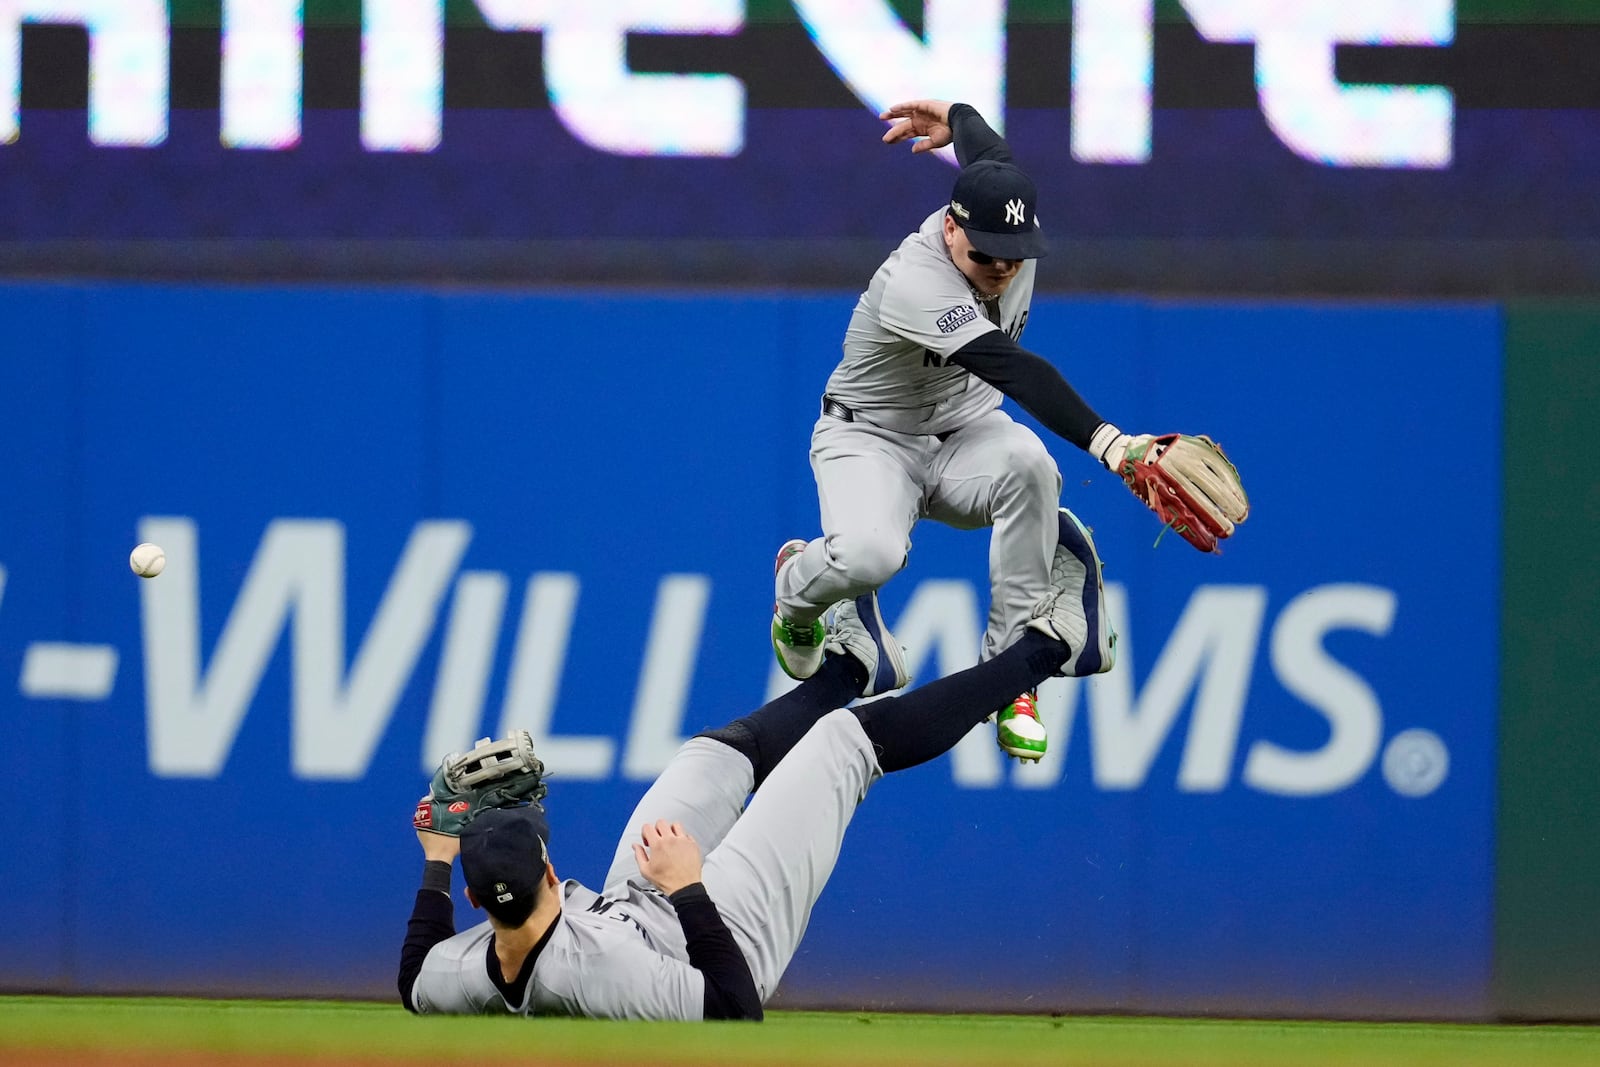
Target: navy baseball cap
<point x="994" y="203"/>
<point x="503" y="857"/>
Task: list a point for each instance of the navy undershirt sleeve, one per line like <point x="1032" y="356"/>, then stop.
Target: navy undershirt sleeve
<point x="433" y="919"/>
<point x="1033" y="382"/>
<point x="730" y="988"/>
<point x="973" y="137"/>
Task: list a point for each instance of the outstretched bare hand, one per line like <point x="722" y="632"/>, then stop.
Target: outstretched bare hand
<point x="928" y="120"/>
<point x="668" y="856"/>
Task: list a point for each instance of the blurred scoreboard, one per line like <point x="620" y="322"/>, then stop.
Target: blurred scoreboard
<point x="1391" y="146"/>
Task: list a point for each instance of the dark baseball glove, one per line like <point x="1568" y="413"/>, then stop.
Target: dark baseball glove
<point x="495" y="774"/>
<point x="1189" y="483"/>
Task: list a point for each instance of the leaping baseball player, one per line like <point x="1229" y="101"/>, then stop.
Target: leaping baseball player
<point x="911" y="425"/>
<point x="674" y="932"/>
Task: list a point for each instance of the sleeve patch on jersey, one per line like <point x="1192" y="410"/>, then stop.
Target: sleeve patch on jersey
<point x="956" y="317"/>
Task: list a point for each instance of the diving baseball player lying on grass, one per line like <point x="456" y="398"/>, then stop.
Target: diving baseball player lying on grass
<point x="672" y="934"/>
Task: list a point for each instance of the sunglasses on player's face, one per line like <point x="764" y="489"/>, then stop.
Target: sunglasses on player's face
<point x="983" y="259"/>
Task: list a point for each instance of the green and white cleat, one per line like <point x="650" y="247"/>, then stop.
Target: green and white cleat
<point x="798" y="645"/>
<point x="1018" y="730"/>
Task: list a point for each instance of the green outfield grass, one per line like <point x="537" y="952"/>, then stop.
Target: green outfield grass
<point x="97" y="1029"/>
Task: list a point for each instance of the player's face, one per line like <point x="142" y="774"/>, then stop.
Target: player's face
<point x="990" y="277"/>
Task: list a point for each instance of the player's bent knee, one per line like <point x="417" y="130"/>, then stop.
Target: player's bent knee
<point x="867" y="562"/>
<point x="1033" y="461"/>
<point x="1030" y="470"/>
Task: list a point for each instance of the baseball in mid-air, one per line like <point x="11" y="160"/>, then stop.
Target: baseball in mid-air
<point x="147" y="560"/>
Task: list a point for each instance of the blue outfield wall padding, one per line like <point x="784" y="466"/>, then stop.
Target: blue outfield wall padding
<point x="397" y="520"/>
<point x="42" y="554"/>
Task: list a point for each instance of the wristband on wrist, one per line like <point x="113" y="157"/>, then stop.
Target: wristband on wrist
<point x="1105" y="441"/>
<point x="436" y="876"/>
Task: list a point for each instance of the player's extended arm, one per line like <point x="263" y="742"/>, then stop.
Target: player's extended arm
<point x="1187" y="481"/>
<point x="433" y="916"/>
<point x="1034" y="383"/>
<point x="931" y="124"/>
<point x="670" y="859"/>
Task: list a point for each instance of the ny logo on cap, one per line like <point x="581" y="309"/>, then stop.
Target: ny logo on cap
<point x="1016" y="213"/>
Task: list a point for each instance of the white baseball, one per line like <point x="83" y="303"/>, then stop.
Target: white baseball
<point x="147" y="560"/>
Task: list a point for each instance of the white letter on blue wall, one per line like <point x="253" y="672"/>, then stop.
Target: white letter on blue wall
<point x="262" y="73"/>
<point x="608" y="106"/>
<point x="1340" y="695"/>
<point x="1113" y="48"/>
<point x="296" y="579"/>
<point x="402" y="75"/>
<point x="127" y="65"/>
<point x="960" y="56"/>
<point x="1306" y="105"/>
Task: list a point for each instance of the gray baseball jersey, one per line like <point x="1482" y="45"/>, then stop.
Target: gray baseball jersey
<point x="600" y="961"/>
<point x="620" y="954"/>
<point x="917" y="310"/>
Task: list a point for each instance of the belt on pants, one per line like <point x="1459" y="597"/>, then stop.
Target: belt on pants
<point x="834" y="409"/>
